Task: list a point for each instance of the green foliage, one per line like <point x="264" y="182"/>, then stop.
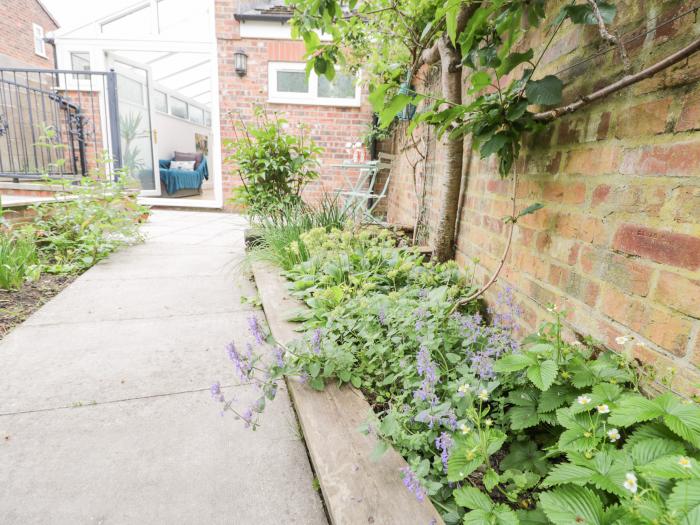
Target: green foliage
<point x="273" y="164"/>
<point x="546" y="432"/>
<point x="502" y="84"/>
<point x="277" y="236"/>
<point x="18" y="261"/>
<point x="91" y="221"/>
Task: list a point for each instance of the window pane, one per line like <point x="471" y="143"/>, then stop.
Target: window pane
<point x="160" y="101"/>
<point x="80" y="62"/>
<point x="292" y="82"/>
<point x="208" y="119"/>
<point x="196" y="115"/>
<point x="130" y="90"/>
<point x="178" y="107"/>
<point x="342" y="86"/>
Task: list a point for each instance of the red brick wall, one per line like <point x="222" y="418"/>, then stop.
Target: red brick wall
<point x="618" y="243"/>
<point x="17" y="33"/>
<point x="331" y="127"/>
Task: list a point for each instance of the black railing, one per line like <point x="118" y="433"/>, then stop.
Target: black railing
<point x="57" y="123"/>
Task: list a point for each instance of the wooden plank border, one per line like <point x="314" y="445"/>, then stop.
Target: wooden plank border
<point x="356" y="489"/>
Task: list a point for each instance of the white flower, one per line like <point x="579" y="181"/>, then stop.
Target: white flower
<point x="623" y="339"/>
<point x="603" y="409"/>
<point x="348" y="145"/>
<point x="488" y="422"/>
<point x="465" y="429"/>
<point x="685" y="462"/>
<point x="630" y="482"/>
<point x="613" y="434"/>
<point x="583" y="400"/>
<point x="552" y="308"/>
<point x="463" y="389"/>
<point x="483" y="394"/>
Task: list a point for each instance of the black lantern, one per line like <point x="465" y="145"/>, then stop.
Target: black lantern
<point x="240" y="61"/>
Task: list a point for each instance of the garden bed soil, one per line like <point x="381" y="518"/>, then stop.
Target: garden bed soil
<point x="356" y="488"/>
<point x="16" y="306"/>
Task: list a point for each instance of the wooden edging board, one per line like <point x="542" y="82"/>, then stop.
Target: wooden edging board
<point x="356" y="489"/>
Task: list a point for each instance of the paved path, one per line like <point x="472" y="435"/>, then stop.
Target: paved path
<point x="105" y="411"/>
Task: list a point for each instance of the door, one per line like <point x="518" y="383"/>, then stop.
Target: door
<point x="134" y="92"/>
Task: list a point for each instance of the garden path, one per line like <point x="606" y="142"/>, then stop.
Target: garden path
<point x="105" y="409"/>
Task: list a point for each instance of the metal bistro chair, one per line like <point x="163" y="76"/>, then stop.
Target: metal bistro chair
<point x="362" y="198"/>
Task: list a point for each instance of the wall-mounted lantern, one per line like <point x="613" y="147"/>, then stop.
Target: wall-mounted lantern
<point x="240" y="61"/>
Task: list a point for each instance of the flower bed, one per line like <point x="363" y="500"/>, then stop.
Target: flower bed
<point x="545" y="431"/>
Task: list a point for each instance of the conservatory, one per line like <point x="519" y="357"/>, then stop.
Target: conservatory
<point x="163" y="53"/>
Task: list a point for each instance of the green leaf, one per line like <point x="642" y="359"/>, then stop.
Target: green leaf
<point x="314" y="369"/>
<point x="490" y="479"/>
<point x="532" y="208"/>
<point x="451" y="19"/>
<point x="648" y="450"/>
<point x="567" y="473"/>
<point x="513" y="363"/>
<point x="514" y="60"/>
<point x="480" y="80"/>
<point x="543" y="374"/>
<point x="356" y="381"/>
<point x="317" y="383"/>
<point x="633" y="408"/>
<point x="396" y="105"/>
<point x="556" y="397"/>
<point x="525" y="455"/>
<point x="546" y="91"/>
<point x="379" y="450"/>
<point x="494" y="144"/>
<point x="685" y="497"/>
<point x="669" y="467"/>
<point x="569" y="505"/>
<point x="532" y="517"/>
<point x="376" y="97"/>
<point x="523" y="417"/>
<point x="472" y="498"/>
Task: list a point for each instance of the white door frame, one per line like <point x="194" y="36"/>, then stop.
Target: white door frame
<point x="112" y="56"/>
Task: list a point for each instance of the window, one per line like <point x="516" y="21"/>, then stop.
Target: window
<point x="207" y="118"/>
<point x="160" y="101"/>
<point x="80" y="62"/>
<point x="39" y="44"/>
<point x="197" y="115"/>
<point x="178" y="108"/>
<point x="288" y="83"/>
<point x="130" y="90"/>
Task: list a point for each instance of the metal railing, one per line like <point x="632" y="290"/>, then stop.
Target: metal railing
<point x="57" y="123"/>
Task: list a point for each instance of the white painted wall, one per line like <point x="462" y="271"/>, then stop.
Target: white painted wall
<point x="175" y="134"/>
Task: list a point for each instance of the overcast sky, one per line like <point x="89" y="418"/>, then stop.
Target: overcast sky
<point x="74" y="13"/>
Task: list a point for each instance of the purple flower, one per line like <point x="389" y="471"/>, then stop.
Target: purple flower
<point x="444" y="444"/>
<point x="505" y="311"/>
<point x="247" y="417"/>
<point x="255" y="329"/>
<point x="243" y="363"/>
<point x="420" y="314"/>
<point x="412" y="483"/>
<point x="216" y="393"/>
<point x="426" y="369"/>
<point x="381" y="316"/>
<point x="279" y="357"/>
<point x="316" y="339"/>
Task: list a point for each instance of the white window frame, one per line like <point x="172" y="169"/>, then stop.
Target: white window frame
<point x="310" y="98"/>
<point x="39" y="42"/>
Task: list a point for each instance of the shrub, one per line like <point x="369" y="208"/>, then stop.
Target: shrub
<point x="18" y="261"/>
<point x="91" y="222"/>
<point x="274" y="165"/>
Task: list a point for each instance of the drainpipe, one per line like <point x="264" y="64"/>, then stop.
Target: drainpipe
<point x="52" y="42"/>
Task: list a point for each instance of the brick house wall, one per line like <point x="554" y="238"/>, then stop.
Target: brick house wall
<point x="331" y="127"/>
<point x="17" y="34"/>
<point x="617" y="245"/>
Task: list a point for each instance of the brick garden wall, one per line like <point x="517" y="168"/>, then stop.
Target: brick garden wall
<point x="331" y="127"/>
<point x="17" y="34"/>
<point x="618" y="243"/>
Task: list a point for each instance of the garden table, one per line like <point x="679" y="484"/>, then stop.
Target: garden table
<point x="361" y="196"/>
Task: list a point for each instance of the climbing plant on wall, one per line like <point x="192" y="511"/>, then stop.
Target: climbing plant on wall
<point x="486" y="45"/>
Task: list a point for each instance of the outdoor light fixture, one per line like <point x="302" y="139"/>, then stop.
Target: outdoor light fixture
<point x="410" y="109"/>
<point x="240" y="60"/>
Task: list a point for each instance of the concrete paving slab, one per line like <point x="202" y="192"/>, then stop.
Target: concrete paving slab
<point x="164" y="460"/>
<point x="131" y="348"/>
<point x="98" y="362"/>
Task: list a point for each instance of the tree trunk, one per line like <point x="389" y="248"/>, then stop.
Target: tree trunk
<point x="450" y="182"/>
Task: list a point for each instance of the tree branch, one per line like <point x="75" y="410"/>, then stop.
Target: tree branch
<point x="607" y="35"/>
<point x="431" y="55"/>
<point x="546" y="116"/>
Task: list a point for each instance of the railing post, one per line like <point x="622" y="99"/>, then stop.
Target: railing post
<point x="113" y="105"/>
